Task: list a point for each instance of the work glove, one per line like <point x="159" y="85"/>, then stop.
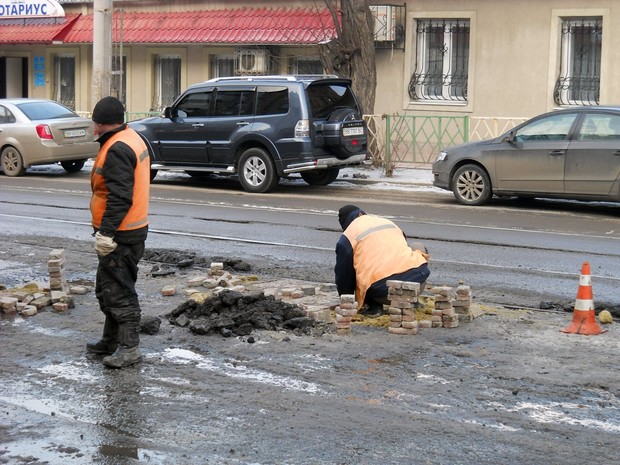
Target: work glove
<point x="104" y="245"/>
<point x="420" y="247"/>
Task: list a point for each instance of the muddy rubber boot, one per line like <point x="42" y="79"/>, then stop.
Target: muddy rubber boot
<point x="128" y="352"/>
<point x="108" y="342"/>
<point x="372" y="310"/>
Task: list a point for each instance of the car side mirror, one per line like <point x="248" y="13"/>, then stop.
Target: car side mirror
<point x="510" y="138"/>
<point x="169" y="112"/>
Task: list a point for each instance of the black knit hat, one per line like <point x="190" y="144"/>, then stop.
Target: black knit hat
<point x="345" y="212"/>
<point x="109" y="110"/>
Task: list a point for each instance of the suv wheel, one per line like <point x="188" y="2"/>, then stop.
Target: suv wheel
<point x="72" y="166"/>
<point x="320" y="177"/>
<point x="471" y="185"/>
<point x="257" y="173"/>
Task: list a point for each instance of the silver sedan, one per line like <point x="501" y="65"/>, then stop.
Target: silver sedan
<point x="572" y="153"/>
<point x="40" y="132"/>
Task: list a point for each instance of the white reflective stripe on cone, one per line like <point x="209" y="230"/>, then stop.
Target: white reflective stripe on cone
<point x="584" y="305"/>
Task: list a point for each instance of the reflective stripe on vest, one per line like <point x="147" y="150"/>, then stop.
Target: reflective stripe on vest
<point x="379" y="250"/>
<point x="137" y="216"/>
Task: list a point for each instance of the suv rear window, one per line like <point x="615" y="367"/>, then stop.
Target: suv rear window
<point x="325" y="98"/>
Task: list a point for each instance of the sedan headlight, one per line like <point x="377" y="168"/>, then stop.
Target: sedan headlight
<point x="442" y="156"/>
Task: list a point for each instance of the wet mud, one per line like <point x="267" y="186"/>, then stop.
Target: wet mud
<point x="507" y="388"/>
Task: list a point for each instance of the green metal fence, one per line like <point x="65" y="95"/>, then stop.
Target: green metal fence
<point x="416" y="140"/>
<point x="407" y="139"/>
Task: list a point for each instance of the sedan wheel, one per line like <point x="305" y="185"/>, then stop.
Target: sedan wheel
<point x="471" y="185"/>
<point x="12" y="162"/>
<point x="257" y="173"/>
<point x="73" y="166"/>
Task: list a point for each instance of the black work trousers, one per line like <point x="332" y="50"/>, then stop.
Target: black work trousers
<point x="115" y="286"/>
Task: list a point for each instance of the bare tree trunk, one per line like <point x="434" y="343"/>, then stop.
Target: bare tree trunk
<point x="352" y="53"/>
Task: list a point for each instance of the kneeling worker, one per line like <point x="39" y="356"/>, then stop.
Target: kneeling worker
<point x="370" y="251"/>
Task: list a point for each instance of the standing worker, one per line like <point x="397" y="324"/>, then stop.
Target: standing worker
<point x="370" y="251"/>
<point x="120" y="182"/>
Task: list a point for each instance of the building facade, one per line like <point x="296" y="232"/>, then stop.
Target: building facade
<point x="477" y="58"/>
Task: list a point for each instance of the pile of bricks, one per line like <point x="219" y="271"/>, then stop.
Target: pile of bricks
<point x="403" y="296"/>
<point x="55" y="269"/>
<point x="32" y="298"/>
<point x="444" y="314"/>
<point x="217" y="279"/>
<point x="462" y="304"/>
<point x="452" y="306"/>
<point x="345" y="312"/>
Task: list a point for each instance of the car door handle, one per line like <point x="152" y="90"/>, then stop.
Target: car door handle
<point x="198" y="125"/>
<point x="243" y="123"/>
<point x="557" y="152"/>
<point x="617" y="152"/>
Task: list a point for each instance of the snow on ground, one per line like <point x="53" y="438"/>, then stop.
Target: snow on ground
<point x="366" y="177"/>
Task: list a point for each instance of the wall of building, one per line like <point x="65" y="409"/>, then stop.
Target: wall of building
<point x="513" y="62"/>
<point x="514" y="55"/>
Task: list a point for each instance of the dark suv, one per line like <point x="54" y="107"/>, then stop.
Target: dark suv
<point x="260" y="128"/>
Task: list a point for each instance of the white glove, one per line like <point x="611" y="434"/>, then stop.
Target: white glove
<point x="104" y="245"/>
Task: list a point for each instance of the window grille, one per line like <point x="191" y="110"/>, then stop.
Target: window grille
<point x="442" y="60"/>
<point x="305" y="65"/>
<point x="167" y="87"/>
<point x="64" y="80"/>
<point x="118" y="86"/>
<point x="580" y="65"/>
<point x="223" y="66"/>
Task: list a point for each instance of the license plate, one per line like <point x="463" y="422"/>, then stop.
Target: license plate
<point x="75" y="133"/>
<point x="354" y="131"/>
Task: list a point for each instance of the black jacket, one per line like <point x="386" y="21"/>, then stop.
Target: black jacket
<point x="118" y="173"/>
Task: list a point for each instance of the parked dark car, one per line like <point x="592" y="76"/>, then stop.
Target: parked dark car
<point x="570" y="154"/>
<point x="40" y="132"/>
<point x="260" y="128"/>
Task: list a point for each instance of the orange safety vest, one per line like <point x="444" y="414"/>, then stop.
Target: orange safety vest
<point x="379" y="250"/>
<point x="137" y="216"/>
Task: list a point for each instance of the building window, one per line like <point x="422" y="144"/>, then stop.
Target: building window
<point x="305" y="65"/>
<point x="580" y="62"/>
<point x="167" y="82"/>
<point x="442" y="60"/>
<point x="223" y="66"/>
<point x="64" y="80"/>
<point x="119" y="78"/>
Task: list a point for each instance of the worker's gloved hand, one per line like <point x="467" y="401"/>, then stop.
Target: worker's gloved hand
<point x="104" y="245"/>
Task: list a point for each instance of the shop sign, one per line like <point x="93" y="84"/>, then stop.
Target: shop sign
<point x="10" y="9"/>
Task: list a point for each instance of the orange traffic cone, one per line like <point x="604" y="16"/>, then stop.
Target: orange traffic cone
<point x="584" y="321"/>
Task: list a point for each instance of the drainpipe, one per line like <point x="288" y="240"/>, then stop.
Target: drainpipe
<point x="102" y="50"/>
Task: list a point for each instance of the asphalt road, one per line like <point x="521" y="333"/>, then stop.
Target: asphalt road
<point x="507" y="388"/>
<point x="509" y="252"/>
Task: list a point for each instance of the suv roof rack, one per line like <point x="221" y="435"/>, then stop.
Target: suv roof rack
<point x="281" y="77"/>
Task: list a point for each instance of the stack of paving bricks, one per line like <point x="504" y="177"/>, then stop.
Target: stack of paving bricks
<point x="345" y="312"/>
<point x="55" y="268"/>
<point x="403" y="296"/>
<point x="444" y="313"/>
<point x="462" y="304"/>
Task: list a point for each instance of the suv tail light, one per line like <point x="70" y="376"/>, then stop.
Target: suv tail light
<point x="44" y="131"/>
<point x="302" y="128"/>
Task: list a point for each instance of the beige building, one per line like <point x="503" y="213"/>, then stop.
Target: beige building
<point x="464" y="58"/>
